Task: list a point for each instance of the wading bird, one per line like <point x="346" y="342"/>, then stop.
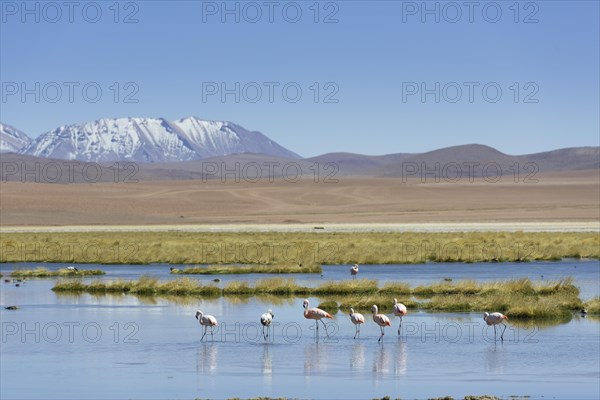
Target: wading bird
<point x="399" y="311"/>
<point x="266" y="319"/>
<point x="72" y="269"/>
<point x="494" y="319"/>
<point x="317" y="314"/>
<point x="354" y="270"/>
<point x="356" y="319"/>
<point x="206" y="321"/>
<point x="381" y="320"/>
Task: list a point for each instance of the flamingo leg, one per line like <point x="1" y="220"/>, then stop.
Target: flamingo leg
<point x="381" y="337"/>
<point x="400" y="326"/>
<point x="502" y="336"/>
<point x="203" y="334"/>
<point x="325" y="326"/>
<point x="494" y="333"/>
<point x="212" y="330"/>
<point x="355" y="331"/>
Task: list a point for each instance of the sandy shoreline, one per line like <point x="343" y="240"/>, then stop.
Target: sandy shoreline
<point x="575" y="226"/>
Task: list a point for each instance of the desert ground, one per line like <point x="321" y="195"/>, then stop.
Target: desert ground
<point x="570" y="198"/>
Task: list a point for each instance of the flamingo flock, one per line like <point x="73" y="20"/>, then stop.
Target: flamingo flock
<point x="357" y="319"/>
<point x="399" y="310"/>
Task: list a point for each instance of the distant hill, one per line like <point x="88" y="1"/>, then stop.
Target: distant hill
<point x="442" y="164"/>
<point x="358" y="164"/>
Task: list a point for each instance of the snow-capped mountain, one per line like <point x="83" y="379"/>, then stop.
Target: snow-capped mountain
<point x="12" y="140"/>
<point x="134" y="139"/>
<point x="217" y="138"/>
<point x="151" y="140"/>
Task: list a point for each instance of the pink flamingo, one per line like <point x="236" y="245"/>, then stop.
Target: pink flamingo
<point x="356" y="319"/>
<point x="206" y="321"/>
<point x="317" y="314"/>
<point x="399" y="311"/>
<point x="381" y="320"/>
<point x="494" y="319"/>
<point x="354" y="270"/>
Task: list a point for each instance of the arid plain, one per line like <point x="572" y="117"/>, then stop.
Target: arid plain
<point x="555" y="197"/>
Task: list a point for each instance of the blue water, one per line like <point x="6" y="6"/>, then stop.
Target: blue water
<point x="114" y="347"/>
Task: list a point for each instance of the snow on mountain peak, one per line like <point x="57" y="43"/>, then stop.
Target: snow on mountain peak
<point x="12" y="140"/>
<point x="150" y="140"/>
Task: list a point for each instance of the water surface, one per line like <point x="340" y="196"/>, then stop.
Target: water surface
<point x="120" y="346"/>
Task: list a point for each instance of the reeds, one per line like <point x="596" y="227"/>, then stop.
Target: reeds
<point x="280" y="286"/>
<point x="354" y="286"/>
<point x="250" y="269"/>
<point x="593" y="306"/>
<point x="145" y="286"/>
<point x="41" y="272"/>
<point x="330" y="306"/>
<point x="519" y="298"/>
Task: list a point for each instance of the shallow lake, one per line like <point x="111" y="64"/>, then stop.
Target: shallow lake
<point x="85" y="346"/>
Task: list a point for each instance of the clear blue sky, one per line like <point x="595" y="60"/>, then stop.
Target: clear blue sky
<point x="369" y="54"/>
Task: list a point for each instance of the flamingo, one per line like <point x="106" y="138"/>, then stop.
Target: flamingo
<point x="495" y="318"/>
<point x="380" y="319"/>
<point x="356" y="319"/>
<point x="354" y="270"/>
<point x="266" y="319"/>
<point x="399" y="311"/>
<point x="206" y="321"/>
<point x="72" y="269"/>
<point x="317" y="314"/>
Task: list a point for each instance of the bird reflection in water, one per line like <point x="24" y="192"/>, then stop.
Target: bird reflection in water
<point x="495" y="358"/>
<point x="207" y="357"/>
<point x="401" y="354"/>
<point x="267" y="362"/>
<point x="381" y="362"/>
<point x="391" y="359"/>
<point x="357" y="360"/>
<point x="267" y="366"/>
<point x="315" y="357"/>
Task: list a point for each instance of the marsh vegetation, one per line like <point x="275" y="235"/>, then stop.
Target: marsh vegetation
<point x="520" y="298"/>
<point x="292" y="248"/>
<point x="41" y="272"/>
